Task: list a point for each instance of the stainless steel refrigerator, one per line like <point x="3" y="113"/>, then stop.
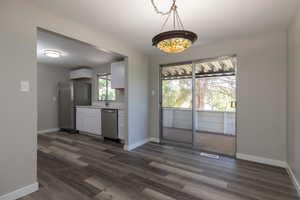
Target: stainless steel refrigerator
<point x="71" y="94"/>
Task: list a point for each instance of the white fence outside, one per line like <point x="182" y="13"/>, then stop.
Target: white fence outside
<point x="210" y="121"/>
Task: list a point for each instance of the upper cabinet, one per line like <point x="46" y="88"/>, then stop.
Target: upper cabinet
<point x="118" y="75"/>
<point x="81" y="73"/>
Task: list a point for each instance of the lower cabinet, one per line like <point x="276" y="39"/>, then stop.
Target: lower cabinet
<point x="88" y="120"/>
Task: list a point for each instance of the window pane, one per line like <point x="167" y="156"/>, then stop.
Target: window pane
<point x="105" y="90"/>
<point x="216" y="93"/>
<point x="102" y="89"/>
<point x="111" y="93"/>
<point x="177" y="93"/>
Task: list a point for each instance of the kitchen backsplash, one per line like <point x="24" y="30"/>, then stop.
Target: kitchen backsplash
<point x="111" y="104"/>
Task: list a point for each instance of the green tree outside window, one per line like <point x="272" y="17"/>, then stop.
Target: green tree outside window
<point x="105" y="93"/>
<point x="212" y="93"/>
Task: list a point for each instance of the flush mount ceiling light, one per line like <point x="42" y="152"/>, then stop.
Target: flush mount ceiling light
<point x="52" y="53"/>
<point x="176" y="40"/>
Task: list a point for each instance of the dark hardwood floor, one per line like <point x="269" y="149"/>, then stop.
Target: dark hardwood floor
<point x="80" y="167"/>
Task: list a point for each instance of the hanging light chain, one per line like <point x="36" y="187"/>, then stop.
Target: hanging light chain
<point x="173" y="10"/>
<point x="180" y="24"/>
<point x="165" y="22"/>
<point x="164" y="13"/>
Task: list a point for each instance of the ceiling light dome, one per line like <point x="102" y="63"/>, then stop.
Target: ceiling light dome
<point x="176" y="40"/>
<point x="52" y="53"/>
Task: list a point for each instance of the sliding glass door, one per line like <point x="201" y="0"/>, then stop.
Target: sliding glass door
<point x="198" y="105"/>
<point x="215" y="114"/>
<point x="176" y="104"/>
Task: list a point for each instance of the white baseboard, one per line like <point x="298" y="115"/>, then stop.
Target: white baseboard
<point x="262" y="160"/>
<point x="294" y="179"/>
<point x="21" y="192"/>
<point x="48" y="130"/>
<point x="153" y="139"/>
<point x="135" y="145"/>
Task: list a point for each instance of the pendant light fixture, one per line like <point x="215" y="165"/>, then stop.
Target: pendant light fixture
<point x="176" y="40"/>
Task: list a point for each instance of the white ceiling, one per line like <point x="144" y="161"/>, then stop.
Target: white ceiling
<point x="136" y="22"/>
<point x="75" y="53"/>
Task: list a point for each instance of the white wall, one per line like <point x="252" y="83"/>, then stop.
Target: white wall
<point x="138" y="101"/>
<point x="18" y="119"/>
<point x="261" y="85"/>
<point x="293" y="153"/>
<point x="48" y="78"/>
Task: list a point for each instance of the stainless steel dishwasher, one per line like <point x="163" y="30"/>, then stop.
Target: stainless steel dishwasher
<point x="109" y="123"/>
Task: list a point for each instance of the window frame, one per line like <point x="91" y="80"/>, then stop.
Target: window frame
<point x="106" y="90"/>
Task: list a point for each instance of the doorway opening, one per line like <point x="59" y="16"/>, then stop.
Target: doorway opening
<point x="198" y="105"/>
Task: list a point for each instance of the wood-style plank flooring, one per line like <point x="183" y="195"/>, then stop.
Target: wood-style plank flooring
<point x="212" y="142"/>
<point x="80" y="167"/>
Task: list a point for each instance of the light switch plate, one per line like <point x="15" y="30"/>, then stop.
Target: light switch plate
<point x="24" y="86"/>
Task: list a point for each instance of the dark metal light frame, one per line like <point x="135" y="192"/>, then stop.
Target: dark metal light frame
<point x="174" y="34"/>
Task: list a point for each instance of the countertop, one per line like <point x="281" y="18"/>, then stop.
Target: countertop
<point x="102" y="107"/>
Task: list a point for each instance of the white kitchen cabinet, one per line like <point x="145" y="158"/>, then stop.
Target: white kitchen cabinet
<point x="88" y="120"/>
<point x="121" y="124"/>
<point x="118" y="75"/>
<point x="81" y="73"/>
